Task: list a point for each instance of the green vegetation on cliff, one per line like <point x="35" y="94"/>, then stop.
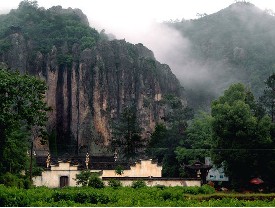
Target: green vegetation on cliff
<point x="46" y="28"/>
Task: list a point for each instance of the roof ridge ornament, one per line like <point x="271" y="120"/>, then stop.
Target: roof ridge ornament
<point x="87" y="160"/>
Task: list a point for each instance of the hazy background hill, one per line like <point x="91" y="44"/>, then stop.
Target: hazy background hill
<point x="235" y="44"/>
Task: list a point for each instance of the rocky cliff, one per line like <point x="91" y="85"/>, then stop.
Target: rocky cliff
<point x="88" y="87"/>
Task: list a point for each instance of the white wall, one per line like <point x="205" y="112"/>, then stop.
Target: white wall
<point x="156" y="182"/>
<point x="144" y="168"/>
<point x="51" y="178"/>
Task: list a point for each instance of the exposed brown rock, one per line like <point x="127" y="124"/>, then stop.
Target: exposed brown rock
<point x="89" y="93"/>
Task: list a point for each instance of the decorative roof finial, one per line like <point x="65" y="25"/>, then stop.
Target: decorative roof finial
<point x="87" y="160"/>
<point x="48" y="161"/>
<point x="115" y="155"/>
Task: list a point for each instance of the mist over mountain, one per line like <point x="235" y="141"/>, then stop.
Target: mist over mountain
<point x="235" y="44"/>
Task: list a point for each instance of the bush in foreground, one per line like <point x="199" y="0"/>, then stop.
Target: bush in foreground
<point x="114" y="183"/>
<point x="95" y="181"/>
<point x="128" y="197"/>
<point x="138" y="184"/>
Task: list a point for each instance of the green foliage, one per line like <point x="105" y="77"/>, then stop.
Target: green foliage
<point x="22" y="112"/>
<point x="138" y="184"/>
<point x="15" y="181"/>
<point x="127" y="133"/>
<point x="88" y="196"/>
<point x="5" y="45"/>
<point x="206" y="189"/>
<point x="166" y="138"/>
<point x="87" y="178"/>
<point x="95" y="181"/>
<point x="197" y="144"/>
<point x="52" y="143"/>
<point x="87" y="42"/>
<point x="47" y="28"/>
<point x="162" y="146"/>
<point x="64" y="60"/>
<point x="16" y="146"/>
<point x="241" y="139"/>
<point x="235" y="44"/>
<point x="22" y="99"/>
<point x="11" y="180"/>
<point x="114" y="183"/>
<point x="127" y="196"/>
<point x="268" y="97"/>
<point x="83" y="177"/>
<point x="119" y="170"/>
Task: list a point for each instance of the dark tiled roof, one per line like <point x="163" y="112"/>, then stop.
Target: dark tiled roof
<point x="198" y="165"/>
<point x="151" y="178"/>
<point x="108" y="165"/>
<point x="95" y="162"/>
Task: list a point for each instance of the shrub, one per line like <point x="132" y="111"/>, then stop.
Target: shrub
<point x="138" y="184"/>
<point x="119" y="170"/>
<point x="166" y="195"/>
<point x="160" y="187"/>
<point x="206" y="189"/>
<point x="95" y="181"/>
<point x="81" y="197"/>
<point x="13" y="197"/>
<point x="27" y="183"/>
<point x="59" y="196"/>
<point x="191" y="190"/>
<point x="114" y="183"/>
<point x="83" y="177"/>
<point x="127" y="196"/>
<point x="11" y="180"/>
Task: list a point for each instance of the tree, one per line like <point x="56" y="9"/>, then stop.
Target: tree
<point x="197" y="143"/>
<point x="15" y="157"/>
<point x="83" y="177"/>
<point x="87" y="178"/>
<point x="268" y="97"/>
<point x="158" y="144"/>
<point x="26" y="4"/>
<point x="95" y="181"/>
<point x="22" y="109"/>
<point x="162" y="146"/>
<point x="166" y="137"/>
<point x="241" y="139"/>
<point x="127" y="133"/>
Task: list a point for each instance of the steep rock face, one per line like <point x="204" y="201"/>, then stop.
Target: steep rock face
<point x="16" y="57"/>
<point x="87" y="94"/>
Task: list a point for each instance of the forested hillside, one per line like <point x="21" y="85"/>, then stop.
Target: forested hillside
<point x="236" y="44"/>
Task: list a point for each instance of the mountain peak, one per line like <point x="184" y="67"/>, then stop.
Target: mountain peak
<point x="243" y="6"/>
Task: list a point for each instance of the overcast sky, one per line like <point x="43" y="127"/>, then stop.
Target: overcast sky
<point x="122" y="17"/>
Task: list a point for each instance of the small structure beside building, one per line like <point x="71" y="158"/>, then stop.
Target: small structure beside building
<point x="199" y="170"/>
<point x="62" y="172"/>
<point x="215" y="174"/>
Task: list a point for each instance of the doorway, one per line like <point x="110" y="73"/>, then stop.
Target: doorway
<point x="64" y="181"/>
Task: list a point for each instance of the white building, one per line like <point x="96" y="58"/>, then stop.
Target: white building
<point x="63" y="173"/>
